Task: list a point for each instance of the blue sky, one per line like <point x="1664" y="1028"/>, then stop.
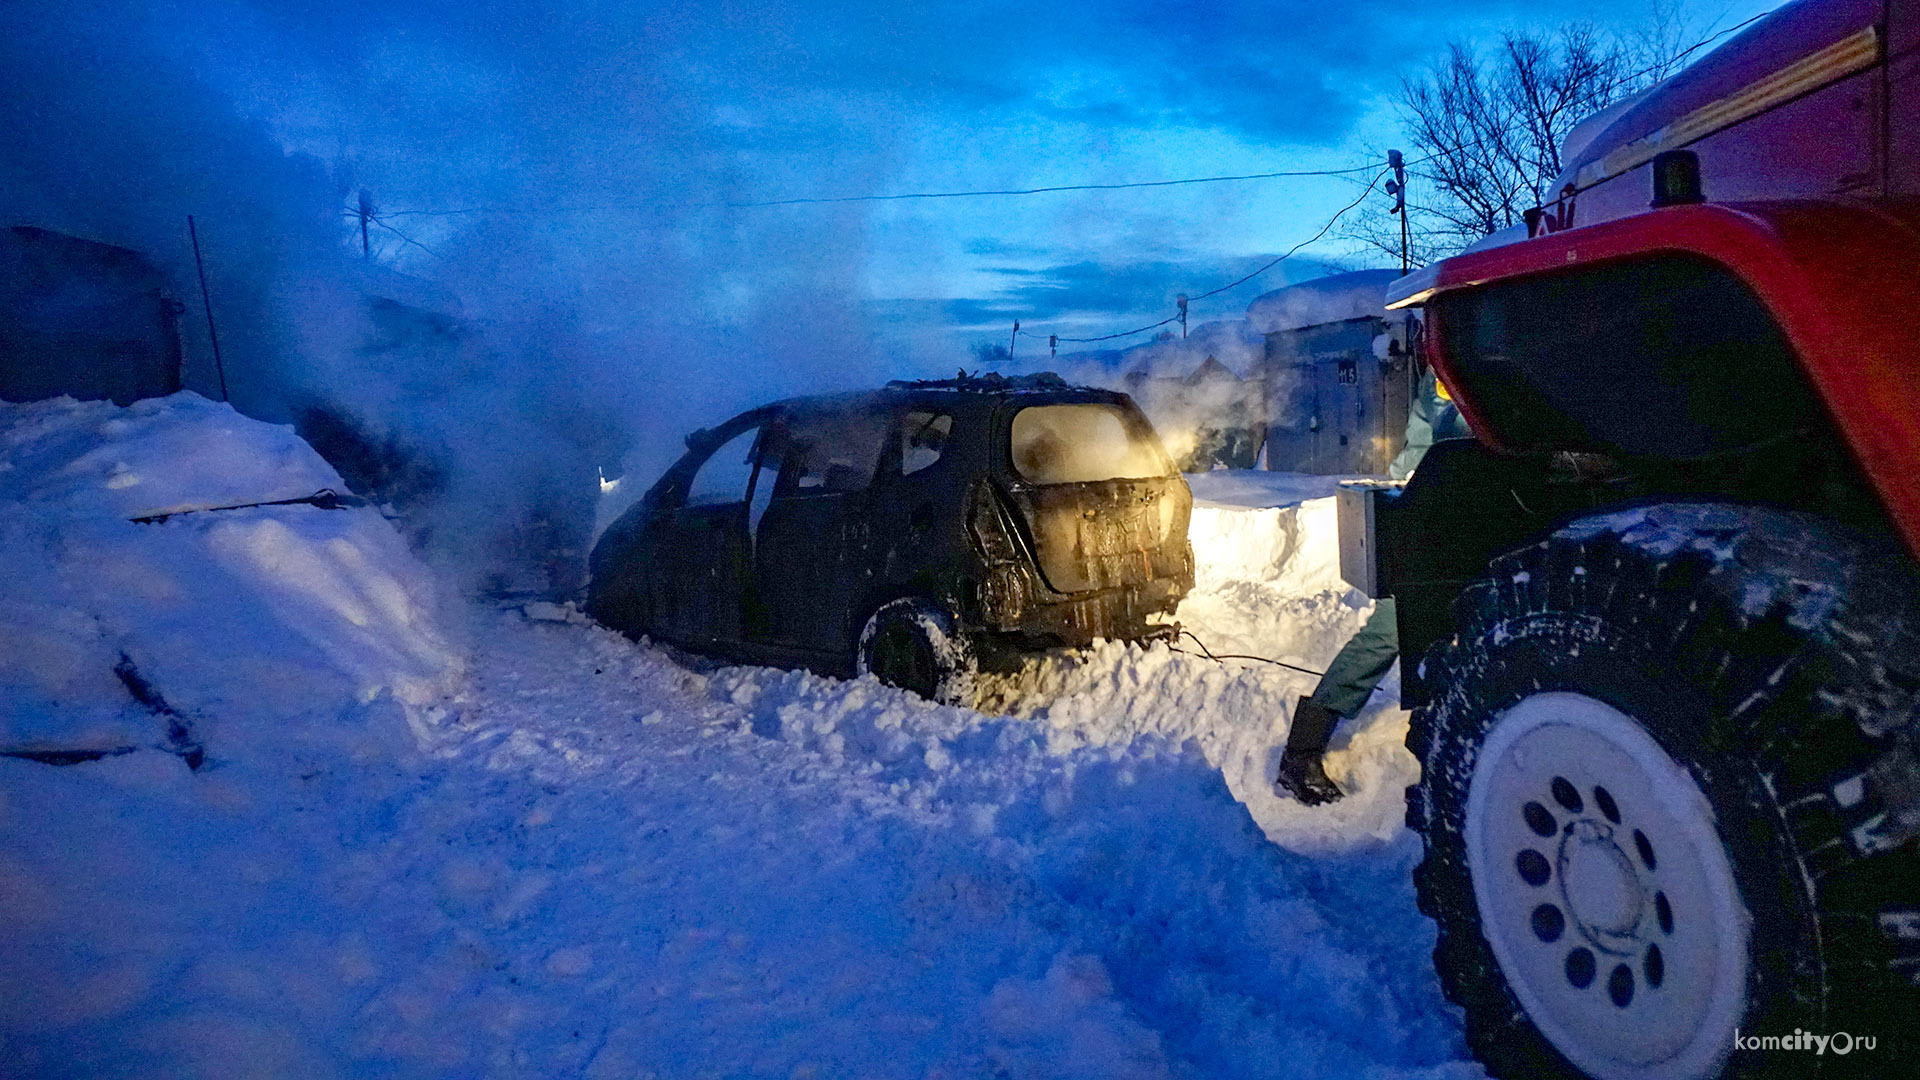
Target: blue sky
<point x="783" y="100"/>
<point x="604" y="136"/>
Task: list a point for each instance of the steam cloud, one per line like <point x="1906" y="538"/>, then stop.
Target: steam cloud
<point x="548" y="343"/>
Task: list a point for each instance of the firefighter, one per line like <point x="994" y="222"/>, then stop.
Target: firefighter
<point x="1369" y="654"/>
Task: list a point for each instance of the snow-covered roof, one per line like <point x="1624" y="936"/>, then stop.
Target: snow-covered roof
<point x="1512" y="234"/>
<point x="253" y="619"/>
<point x="1334" y="298"/>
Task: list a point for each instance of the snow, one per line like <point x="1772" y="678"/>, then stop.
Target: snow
<point x="1512" y="234"/>
<point x="1255" y="488"/>
<point x="264" y="613"/>
<point x="1586" y="131"/>
<point x="161" y="455"/>
<point x="441" y="840"/>
<point x="1334" y="298"/>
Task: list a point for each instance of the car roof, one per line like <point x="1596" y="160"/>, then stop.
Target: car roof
<point x="980" y="387"/>
<point x="988" y="389"/>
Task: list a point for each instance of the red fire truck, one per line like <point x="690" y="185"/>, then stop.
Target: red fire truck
<point x="1661" y="620"/>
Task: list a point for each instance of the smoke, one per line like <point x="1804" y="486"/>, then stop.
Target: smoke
<point x="1206" y="393"/>
<point x="481" y="368"/>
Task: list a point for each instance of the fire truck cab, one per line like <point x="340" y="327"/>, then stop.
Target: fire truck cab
<point x="1660" y="622"/>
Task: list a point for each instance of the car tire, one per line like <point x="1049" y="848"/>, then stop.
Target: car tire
<point x="1660" y="800"/>
<point x="917" y="645"/>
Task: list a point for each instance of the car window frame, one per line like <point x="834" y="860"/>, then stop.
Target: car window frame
<point x="793" y="452"/>
<point x="892" y="466"/>
<point x="1136" y="422"/>
<point x="897" y="445"/>
<point x="720" y="437"/>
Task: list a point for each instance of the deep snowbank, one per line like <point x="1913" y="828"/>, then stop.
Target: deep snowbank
<point x="1267" y="585"/>
<point x="992" y="893"/>
<point x="240" y="619"/>
<point x="613" y="866"/>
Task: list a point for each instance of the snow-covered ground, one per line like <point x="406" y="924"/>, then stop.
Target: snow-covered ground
<point x="428" y="839"/>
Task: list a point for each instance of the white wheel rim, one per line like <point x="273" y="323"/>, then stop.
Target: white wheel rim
<point x="1605" y="892"/>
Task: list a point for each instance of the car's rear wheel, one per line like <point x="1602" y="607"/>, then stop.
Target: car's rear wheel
<point x="917" y="645"/>
<point x="1653" y="796"/>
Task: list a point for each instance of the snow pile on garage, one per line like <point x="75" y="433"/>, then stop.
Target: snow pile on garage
<point x="1334" y="298"/>
<point x="225" y="622"/>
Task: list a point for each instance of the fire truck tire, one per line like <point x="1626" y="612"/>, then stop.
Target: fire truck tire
<point x="916" y="644"/>
<point x="1662" y="800"/>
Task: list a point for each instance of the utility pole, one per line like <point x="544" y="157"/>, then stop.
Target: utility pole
<point x="1053" y="346"/>
<point x="1397" y="187"/>
<point x="366" y="212"/>
<point x="1182" y="301"/>
<point x="1013" y="339"/>
<point x="207" y="302"/>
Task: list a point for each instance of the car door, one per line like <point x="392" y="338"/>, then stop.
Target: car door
<point x="911" y="524"/>
<point x="700" y="573"/>
<point x="819" y="505"/>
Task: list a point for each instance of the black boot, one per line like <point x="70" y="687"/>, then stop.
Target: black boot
<point x="1306" y="780"/>
<point x="1301" y="774"/>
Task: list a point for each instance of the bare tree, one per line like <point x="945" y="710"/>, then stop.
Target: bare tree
<point x="1484" y="127"/>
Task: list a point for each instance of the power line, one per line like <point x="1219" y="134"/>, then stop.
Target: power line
<point x="979" y="193"/>
<point x="379" y="219"/>
<point x="1276" y="261"/>
<point x="514" y="210"/>
<point x="1698" y="45"/>
<point x="896" y="197"/>
<point x="1289" y="253"/>
<point x="1045" y="190"/>
<point x="1123" y="333"/>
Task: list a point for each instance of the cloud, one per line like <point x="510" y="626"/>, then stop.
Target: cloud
<point x="782" y="68"/>
<point x="1090" y="289"/>
<point x="1267" y="70"/>
<point x="995" y="247"/>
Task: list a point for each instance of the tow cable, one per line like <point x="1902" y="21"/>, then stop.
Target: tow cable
<point x="1221" y="658"/>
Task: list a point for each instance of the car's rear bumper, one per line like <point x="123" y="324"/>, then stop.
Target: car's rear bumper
<point x="1013" y="601"/>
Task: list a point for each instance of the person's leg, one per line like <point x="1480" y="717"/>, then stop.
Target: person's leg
<point x="1342" y="693"/>
<point x="1362" y="663"/>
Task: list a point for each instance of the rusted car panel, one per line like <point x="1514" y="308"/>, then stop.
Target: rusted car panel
<point x="838" y="505"/>
<point x="1107" y="535"/>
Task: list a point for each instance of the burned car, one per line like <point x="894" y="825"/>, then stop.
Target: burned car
<point x="919" y="533"/>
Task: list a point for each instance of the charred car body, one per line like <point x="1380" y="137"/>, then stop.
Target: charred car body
<point x="916" y="532"/>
